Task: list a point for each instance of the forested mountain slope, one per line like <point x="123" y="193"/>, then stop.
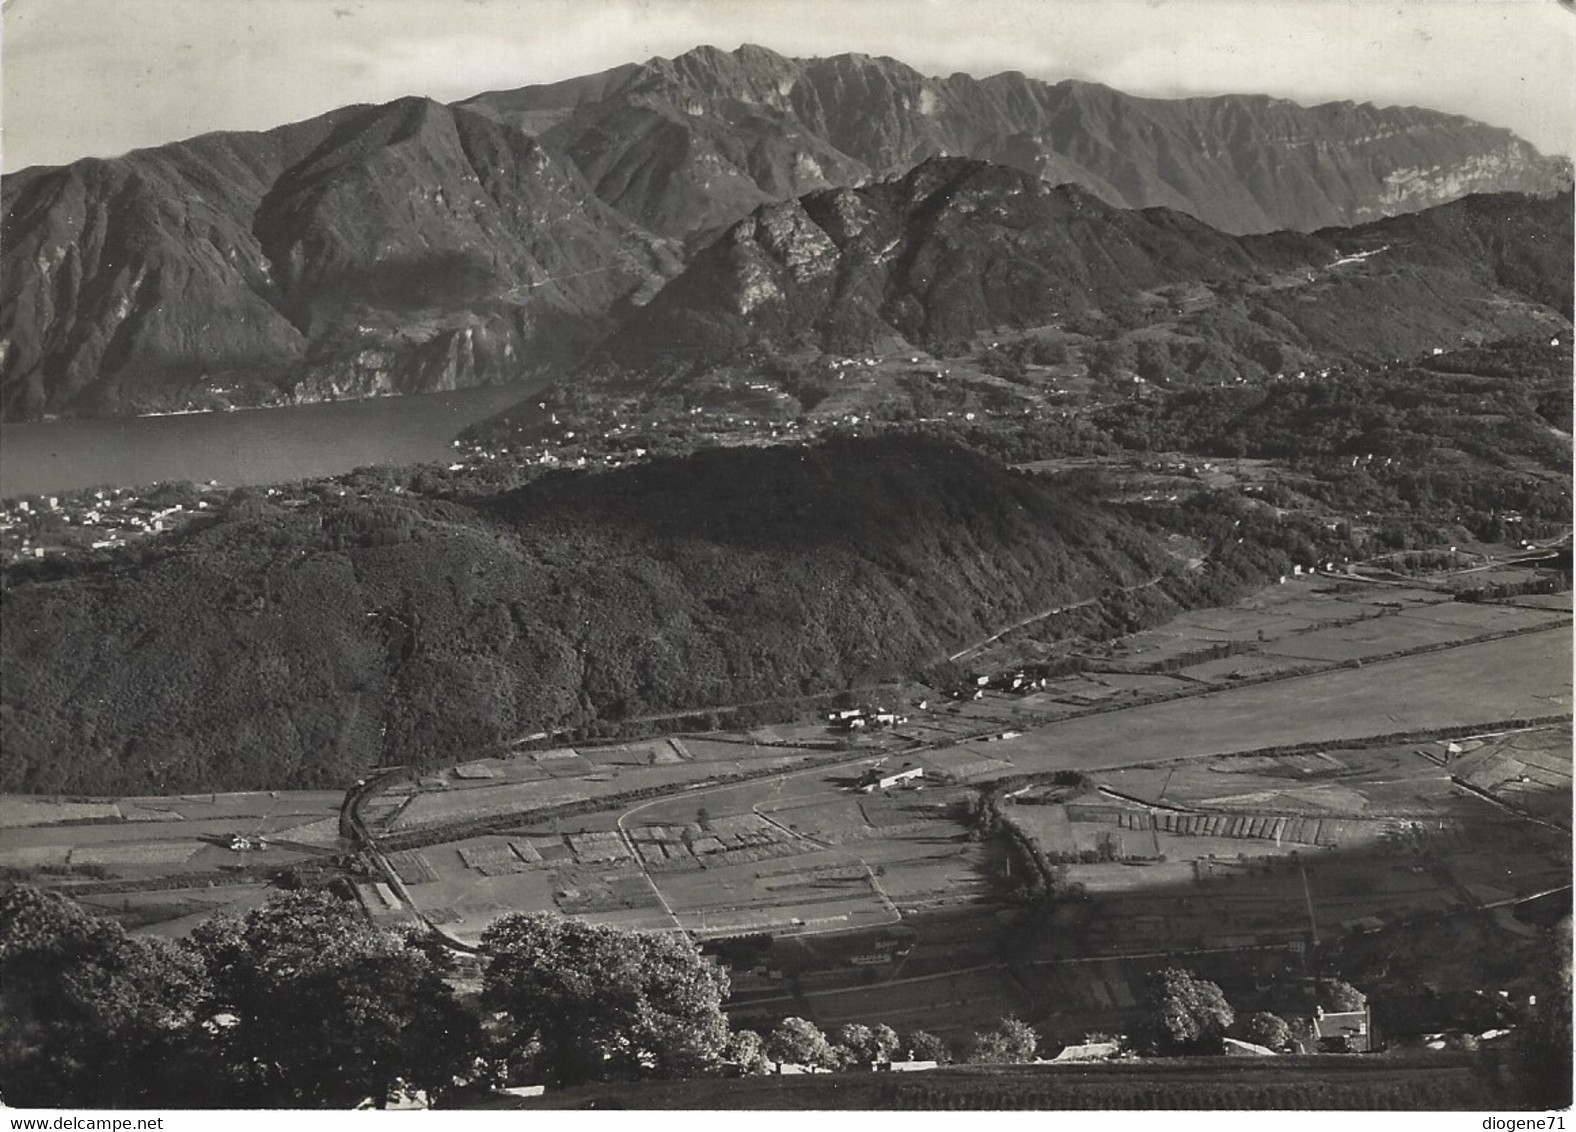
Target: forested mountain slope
<point x="292" y="647"/>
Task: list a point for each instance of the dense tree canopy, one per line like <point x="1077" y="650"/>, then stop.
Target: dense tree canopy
<point x="1266" y="1029"/>
<point x="1185" y="1015"/>
<point x="602" y="1003"/>
<point x="796" y="1041"/>
<point x="302" y="1003"/>
<point x="317" y="641"/>
<point x="92" y="1017"/>
<point x="1337" y="995"/>
<point x="747" y="1051"/>
<point x="859" y="1044"/>
<point x="322" y="1009"/>
<point x="921" y="1045"/>
<point x="1012" y="1040"/>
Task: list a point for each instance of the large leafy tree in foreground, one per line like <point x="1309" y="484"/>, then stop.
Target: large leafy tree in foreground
<point x="858" y="1044"/>
<point x="1012" y="1040"/>
<point x="1265" y="1029"/>
<point x="600" y="1003"/>
<point x="1185" y="1015"/>
<point x="92" y="1017"/>
<point x="797" y="1041"/>
<point x="315" y="1007"/>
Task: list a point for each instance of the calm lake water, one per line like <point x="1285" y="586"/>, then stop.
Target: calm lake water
<point x="250" y="446"/>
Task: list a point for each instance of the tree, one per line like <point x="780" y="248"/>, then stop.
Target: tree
<point x="604" y="1003"/>
<point x="1267" y="1029"/>
<point x="92" y="1016"/>
<point x="747" y="1050"/>
<point x="1338" y="997"/>
<point x="851" y="1044"/>
<point x="1109" y="366"/>
<point x="1152" y="360"/>
<point x="924" y="1046"/>
<point x="884" y="1044"/>
<point x="1185" y="1015"/>
<point x="799" y="1042"/>
<point x="860" y="1044"/>
<point x="321" y="1009"/>
<point x="1543" y="1045"/>
<point x="1011" y="1040"/>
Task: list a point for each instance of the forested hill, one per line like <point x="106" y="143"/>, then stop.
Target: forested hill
<point x="957" y="248"/>
<point x="300" y="645"/>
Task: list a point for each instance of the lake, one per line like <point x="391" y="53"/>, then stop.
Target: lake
<point x="249" y="446"/>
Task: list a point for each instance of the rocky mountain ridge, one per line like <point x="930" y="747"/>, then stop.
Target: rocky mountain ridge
<point x="377" y="250"/>
<point x="416" y="247"/>
<point x="692" y="143"/>
<point x="957" y="248"/>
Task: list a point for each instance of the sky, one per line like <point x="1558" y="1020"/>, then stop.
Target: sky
<point x="98" y="77"/>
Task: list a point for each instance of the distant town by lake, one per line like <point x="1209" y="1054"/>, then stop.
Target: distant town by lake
<point x="250" y="446"/>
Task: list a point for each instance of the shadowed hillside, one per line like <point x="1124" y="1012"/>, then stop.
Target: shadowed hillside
<point x="314" y="642"/>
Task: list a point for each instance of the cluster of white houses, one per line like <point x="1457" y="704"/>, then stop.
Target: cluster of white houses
<point x="860" y="718"/>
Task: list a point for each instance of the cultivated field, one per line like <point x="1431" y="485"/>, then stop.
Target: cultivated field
<point x="161" y="864"/>
<point x="1518" y="677"/>
<point x="1261" y="850"/>
<point x="1180" y="840"/>
<point x="1181" y="843"/>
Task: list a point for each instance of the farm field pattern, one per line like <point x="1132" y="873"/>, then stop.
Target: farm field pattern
<point x="162" y="864"/>
<point x="1193" y="829"/>
<point x="1372" y="836"/>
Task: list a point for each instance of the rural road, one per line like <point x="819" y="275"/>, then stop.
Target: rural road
<point x="1032" y="618"/>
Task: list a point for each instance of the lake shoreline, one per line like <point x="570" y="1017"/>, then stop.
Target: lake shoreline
<point x="247" y="447"/>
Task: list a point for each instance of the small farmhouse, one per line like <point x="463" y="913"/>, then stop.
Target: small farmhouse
<point x="877" y="781"/>
<point x="1346" y="1031"/>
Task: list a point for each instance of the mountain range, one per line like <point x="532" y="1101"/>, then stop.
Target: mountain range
<point x="689" y="144"/>
<point x="415" y="247"/>
<point x="957" y="248"/>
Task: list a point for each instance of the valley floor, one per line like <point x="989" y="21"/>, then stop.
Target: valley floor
<point x="1370" y="757"/>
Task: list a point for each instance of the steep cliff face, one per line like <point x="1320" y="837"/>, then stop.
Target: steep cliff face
<point x="118" y="268"/>
<point x="381" y="250"/>
<point x="756" y="127"/>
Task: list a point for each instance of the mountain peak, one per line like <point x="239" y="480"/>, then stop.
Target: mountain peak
<point x="758" y="126"/>
<point x="413" y="246"/>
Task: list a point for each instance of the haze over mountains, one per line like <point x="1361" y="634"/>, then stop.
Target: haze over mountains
<point x="415" y="247"/>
